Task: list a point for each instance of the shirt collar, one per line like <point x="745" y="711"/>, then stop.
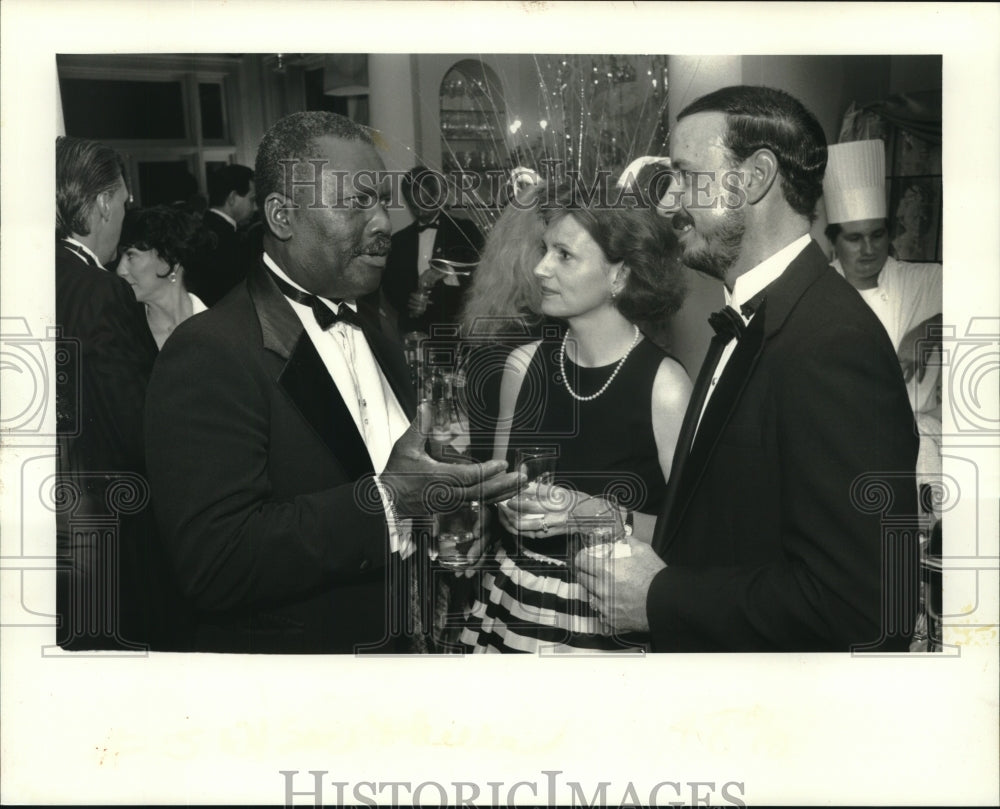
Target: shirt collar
<point x="756" y="278"/>
<point x="86" y="250"/>
<point x="225" y="216"/>
<point x="281" y="274"/>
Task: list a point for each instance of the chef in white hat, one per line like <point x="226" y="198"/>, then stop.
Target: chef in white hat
<point x="905" y="296"/>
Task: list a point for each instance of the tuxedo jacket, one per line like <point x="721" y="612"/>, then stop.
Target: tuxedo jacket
<point x="254" y="460"/>
<point x="401" y="276"/>
<point x="790" y="524"/>
<point x="220" y="266"/>
<point x="105" y="356"/>
<point x="110" y="353"/>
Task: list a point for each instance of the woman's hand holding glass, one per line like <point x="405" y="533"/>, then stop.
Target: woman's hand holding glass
<point x="540" y="509"/>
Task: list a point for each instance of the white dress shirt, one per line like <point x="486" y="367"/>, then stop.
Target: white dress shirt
<point x="365" y="390"/>
<point x="746" y="286"/>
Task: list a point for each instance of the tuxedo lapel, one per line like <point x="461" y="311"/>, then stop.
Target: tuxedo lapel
<point x="685" y="438"/>
<point x="304" y="377"/>
<point x="728" y="390"/>
<point x="782" y="295"/>
<point x="720" y="408"/>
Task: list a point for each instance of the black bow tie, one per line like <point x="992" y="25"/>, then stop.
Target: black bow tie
<point x="324" y="315"/>
<point x="727" y="322"/>
<point x="429" y="225"/>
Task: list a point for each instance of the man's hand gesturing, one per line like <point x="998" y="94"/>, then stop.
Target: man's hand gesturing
<point x="410" y="472"/>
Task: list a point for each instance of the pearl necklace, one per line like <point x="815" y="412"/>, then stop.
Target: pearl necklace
<point x="604" y="387"/>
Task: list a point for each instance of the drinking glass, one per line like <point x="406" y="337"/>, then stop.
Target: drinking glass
<point x="449" y="437"/>
<point x="441" y="390"/>
<point x="596" y="525"/>
<point x="454" y="262"/>
<point x="414" y="358"/>
<point x="538" y="464"/>
<point x="456" y="532"/>
<point x="452" y="267"/>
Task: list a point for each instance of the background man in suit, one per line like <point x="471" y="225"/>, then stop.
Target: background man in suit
<point x="421" y="296"/>
<point x="232" y="201"/>
<point x="281" y="461"/>
<point x="771" y="538"/>
<point x="99" y="401"/>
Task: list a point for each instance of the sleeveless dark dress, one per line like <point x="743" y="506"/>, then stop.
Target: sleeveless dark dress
<point x="530" y="600"/>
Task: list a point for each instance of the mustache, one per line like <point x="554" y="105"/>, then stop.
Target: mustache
<point x="377" y="246"/>
<point x="681" y="220"/>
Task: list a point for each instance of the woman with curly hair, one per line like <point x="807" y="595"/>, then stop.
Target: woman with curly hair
<point x="603" y="396"/>
<point x="158" y="248"/>
<point x="504" y="298"/>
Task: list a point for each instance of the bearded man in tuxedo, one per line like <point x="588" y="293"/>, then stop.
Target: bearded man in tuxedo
<point x="789" y="522"/>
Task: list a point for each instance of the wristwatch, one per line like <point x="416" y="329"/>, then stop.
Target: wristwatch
<point x="629" y="522"/>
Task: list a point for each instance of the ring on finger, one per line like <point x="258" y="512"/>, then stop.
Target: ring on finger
<point x="544" y="526"/>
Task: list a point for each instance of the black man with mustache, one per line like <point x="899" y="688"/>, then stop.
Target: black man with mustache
<point x="283" y="462"/>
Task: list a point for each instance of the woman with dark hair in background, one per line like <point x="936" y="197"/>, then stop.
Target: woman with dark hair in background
<point x="158" y="250"/>
<point x="607" y="397"/>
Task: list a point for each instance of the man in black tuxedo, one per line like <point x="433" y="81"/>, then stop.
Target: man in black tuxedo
<point x="282" y="461"/>
<point x="788" y="524"/>
<point x="232" y="202"/>
<point x="422" y="296"/>
<point x="99" y="399"/>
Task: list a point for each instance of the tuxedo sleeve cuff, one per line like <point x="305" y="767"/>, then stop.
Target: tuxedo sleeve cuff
<point x="400" y="531"/>
<point x="660" y="608"/>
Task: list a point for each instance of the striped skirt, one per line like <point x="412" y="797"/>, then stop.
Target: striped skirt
<point x="530" y="603"/>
